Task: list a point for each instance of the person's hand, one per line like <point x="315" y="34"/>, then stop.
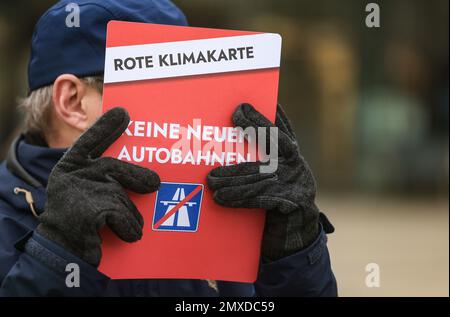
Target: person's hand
<point x="292" y="220"/>
<point x="86" y="192"/>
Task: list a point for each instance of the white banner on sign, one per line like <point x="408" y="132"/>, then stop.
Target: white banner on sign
<point x="195" y="57"/>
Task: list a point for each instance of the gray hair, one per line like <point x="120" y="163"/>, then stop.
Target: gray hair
<point x="37" y="106"/>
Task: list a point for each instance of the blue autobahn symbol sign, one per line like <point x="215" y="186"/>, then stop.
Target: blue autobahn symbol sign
<point x="177" y="207"/>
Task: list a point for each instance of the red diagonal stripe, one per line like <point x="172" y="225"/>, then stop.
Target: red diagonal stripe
<point x="178" y="206"/>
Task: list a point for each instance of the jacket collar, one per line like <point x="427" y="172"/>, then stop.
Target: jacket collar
<point x="27" y="168"/>
<point x="32" y="163"/>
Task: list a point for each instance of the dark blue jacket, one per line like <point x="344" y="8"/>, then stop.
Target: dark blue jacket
<point x="39" y="268"/>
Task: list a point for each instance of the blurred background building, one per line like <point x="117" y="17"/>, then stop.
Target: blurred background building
<point x="370" y="108"/>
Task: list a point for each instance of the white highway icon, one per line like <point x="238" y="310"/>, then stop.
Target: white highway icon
<point x="183" y="216"/>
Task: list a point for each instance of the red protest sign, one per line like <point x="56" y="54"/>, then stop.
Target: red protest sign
<point x="181" y="86"/>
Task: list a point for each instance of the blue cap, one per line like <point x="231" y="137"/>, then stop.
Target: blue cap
<point x="58" y="49"/>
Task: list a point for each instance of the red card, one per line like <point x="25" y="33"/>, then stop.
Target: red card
<point x="181" y="86"/>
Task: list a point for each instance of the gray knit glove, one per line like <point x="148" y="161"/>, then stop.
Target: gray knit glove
<point x="86" y="192"/>
<point x="292" y="221"/>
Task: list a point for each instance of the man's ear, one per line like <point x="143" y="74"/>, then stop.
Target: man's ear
<point x="68" y="93"/>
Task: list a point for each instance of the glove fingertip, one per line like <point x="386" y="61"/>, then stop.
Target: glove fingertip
<point x="119" y="113"/>
<point x="240" y="112"/>
<point x="152" y="182"/>
<point x="215" y="172"/>
<point x="217" y="199"/>
<point x="136" y="236"/>
<point x="126" y="227"/>
<point x="211" y="181"/>
<point x="247" y="107"/>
